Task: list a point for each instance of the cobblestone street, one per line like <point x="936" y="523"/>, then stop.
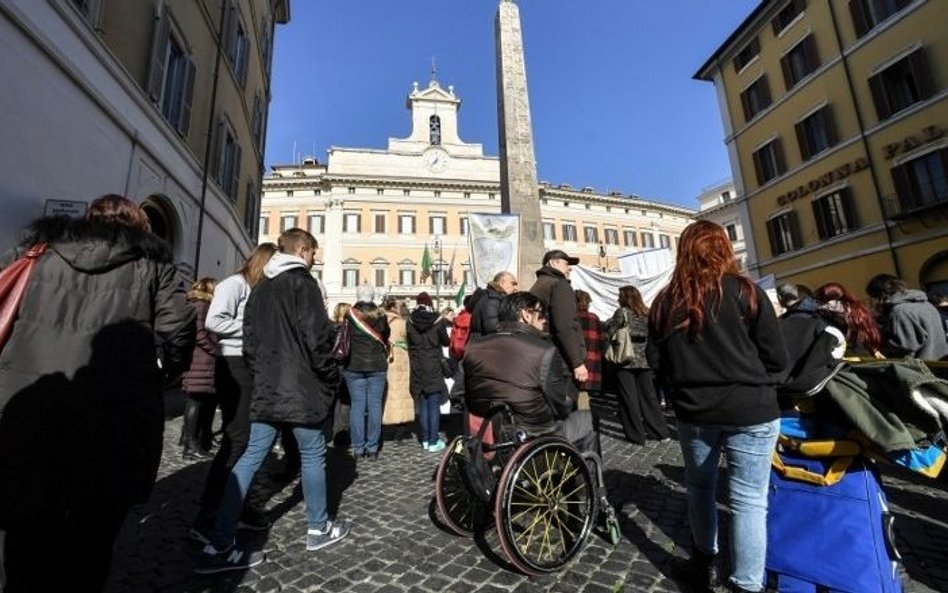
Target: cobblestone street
<point x="396" y="546"/>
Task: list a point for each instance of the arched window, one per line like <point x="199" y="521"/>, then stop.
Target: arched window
<point x="434" y="129"/>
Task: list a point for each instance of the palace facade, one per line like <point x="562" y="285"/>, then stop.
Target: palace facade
<point x="375" y="211"/>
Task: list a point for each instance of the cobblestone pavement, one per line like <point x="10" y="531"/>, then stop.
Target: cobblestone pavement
<point x="395" y="545"/>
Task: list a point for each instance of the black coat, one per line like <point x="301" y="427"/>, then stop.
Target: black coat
<point x="554" y="290"/>
<point x="486" y="314"/>
<point x="287" y="340"/>
<point x="427" y="335"/>
<point x="81" y="412"/>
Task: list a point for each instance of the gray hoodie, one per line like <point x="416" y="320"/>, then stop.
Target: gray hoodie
<point x="913" y="327"/>
<point x="225" y="316"/>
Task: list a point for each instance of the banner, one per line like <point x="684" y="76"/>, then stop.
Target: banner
<point x="494" y="244"/>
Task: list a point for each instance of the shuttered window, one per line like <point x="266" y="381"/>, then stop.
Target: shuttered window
<point x="228" y="161"/>
<point x="867" y="14"/>
<point x="923" y="181"/>
<point x="834" y="214"/>
<point x="902" y="84"/>
<point x="750" y="51"/>
<point x="171" y="74"/>
<point x="783" y="231"/>
<point x="769" y="161"/>
<point x="816" y="133"/>
<point x="787" y="15"/>
<point x="799" y="61"/>
<point x="755" y="98"/>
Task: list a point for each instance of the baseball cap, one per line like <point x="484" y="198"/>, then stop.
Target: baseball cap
<point x="559" y="254"/>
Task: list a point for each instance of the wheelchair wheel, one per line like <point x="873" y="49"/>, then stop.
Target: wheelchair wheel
<point x="545" y="505"/>
<point x="459" y="508"/>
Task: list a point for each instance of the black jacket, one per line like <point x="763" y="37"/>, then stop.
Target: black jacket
<point x="81" y="412"/>
<point x="485" y="316"/>
<point x="427" y="336"/>
<point x="728" y="373"/>
<point x="519" y="366"/>
<point x="287" y="340"/>
<point x="366" y="354"/>
<point x="554" y="290"/>
<point x="810" y="343"/>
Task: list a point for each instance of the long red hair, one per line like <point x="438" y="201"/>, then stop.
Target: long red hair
<point x="861" y="326"/>
<point x="705" y="257"/>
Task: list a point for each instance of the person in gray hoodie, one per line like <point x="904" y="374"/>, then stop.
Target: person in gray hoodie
<point x="911" y="326"/>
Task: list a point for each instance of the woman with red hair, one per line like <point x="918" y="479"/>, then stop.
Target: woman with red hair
<point x="850" y="316"/>
<point x="716" y="346"/>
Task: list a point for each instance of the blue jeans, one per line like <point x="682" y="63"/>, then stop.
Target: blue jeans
<point x="749" y="450"/>
<point x="429" y="417"/>
<point x="312" y="444"/>
<point x="365" y="391"/>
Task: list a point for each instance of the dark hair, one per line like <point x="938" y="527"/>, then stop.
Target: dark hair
<point x="292" y="239"/>
<point x="116" y="209"/>
<point x="582" y="300"/>
<point x="513" y="304"/>
<point x="883" y="286"/>
<point x="705" y="257"/>
<point x="861" y="327"/>
<point x="252" y="269"/>
<point x="629" y="296"/>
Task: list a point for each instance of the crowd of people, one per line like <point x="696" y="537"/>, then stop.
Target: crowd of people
<point x="261" y="346"/>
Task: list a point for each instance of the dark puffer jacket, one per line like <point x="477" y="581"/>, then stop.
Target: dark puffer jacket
<point x="554" y="290"/>
<point x="427" y="336"/>
<point x="200" y="377"/>
<point x="520" y="367"/>
<point x="484" y="318"/>
<point x="287" y="340"/>
<point x="81" y="412"/>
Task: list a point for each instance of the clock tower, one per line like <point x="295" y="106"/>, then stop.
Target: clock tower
<point x="434" y="130"/>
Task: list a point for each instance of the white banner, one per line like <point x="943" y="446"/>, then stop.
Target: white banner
<point x="494" y="244"/>
<point x="604" y="287"/>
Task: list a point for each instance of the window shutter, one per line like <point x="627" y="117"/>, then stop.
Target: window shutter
<point x="811" y="53"/>
<point x="230" y="28"/>
<point x="737" y="63"/>
<point x="778" y="156"/>
<point x="849" y="209"/>
<point x="877" y="87"/>
<point x="829" y="120"/>
<point x="764" y="91"/>
<point x="244" y="57"/>
<point x="819" y="213"/>
<point x="858" y="12"/>
<point x="214" y="165"/>
<point x="431" y="226"/>
<point x="794" y="229"/>
<point x="903" y="187"/>
<point x="184" y="118"/>
<point x="235" y="182"/>
<point x="358" y="230"/>
<point x="922" y="74"/>
<point x="772" y="237"/>
<point x="758" y="168"/>
<point x="800" y="128"/>
<point x="775" y="25"/>
<point x="745" y="104"/>
<point x="159" y="55"/>
<point x="787" y="72"/>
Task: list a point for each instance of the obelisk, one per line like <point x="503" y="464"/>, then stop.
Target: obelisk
<point x="519" y="192"/>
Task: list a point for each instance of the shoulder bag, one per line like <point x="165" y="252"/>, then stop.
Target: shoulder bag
<point x="619" y="350"/>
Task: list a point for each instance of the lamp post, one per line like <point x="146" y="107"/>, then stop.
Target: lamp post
<point x="437" y="249"/>
<point x="602" y="254"/>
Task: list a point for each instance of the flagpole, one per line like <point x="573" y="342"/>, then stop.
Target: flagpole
<point x="437" y="248"/>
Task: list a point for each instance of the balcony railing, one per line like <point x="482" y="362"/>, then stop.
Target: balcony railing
<point x="896" y="208"/>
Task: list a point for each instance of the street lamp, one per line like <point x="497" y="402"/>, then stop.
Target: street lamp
<point x="437" y="249"/>
<point x="602" y="254"/>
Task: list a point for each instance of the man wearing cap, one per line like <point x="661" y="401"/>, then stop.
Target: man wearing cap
<point x="553" y="288"/>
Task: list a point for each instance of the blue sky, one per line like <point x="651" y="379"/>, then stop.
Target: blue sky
<point x="611" y="94"/>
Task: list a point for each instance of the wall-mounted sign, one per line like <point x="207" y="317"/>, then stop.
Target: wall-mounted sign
<point x="909" y="143"/>
<point x="65" y="208"/>
<point x="837" y="174"/>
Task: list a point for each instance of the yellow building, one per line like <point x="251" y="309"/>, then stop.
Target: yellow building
<point x="374" y="211"/>
<point x="164" y="101"/>
<point x="836" y="122"/>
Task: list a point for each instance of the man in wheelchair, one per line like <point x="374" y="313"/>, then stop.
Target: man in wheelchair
<point x="519" y="366"/>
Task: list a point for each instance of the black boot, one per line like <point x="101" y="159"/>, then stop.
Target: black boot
<point x="700" y="572"/>
<point x="189" y="429"/>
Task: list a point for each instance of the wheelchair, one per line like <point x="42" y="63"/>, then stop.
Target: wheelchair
<point x="542" y="495"/>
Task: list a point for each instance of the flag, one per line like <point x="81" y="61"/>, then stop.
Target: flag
<point x="425" y="265"/>
<point x="450" y="278"/>
<point x="459" y="297"/>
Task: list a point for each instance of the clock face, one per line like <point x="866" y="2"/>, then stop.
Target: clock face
<point x="436" y="160"/>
